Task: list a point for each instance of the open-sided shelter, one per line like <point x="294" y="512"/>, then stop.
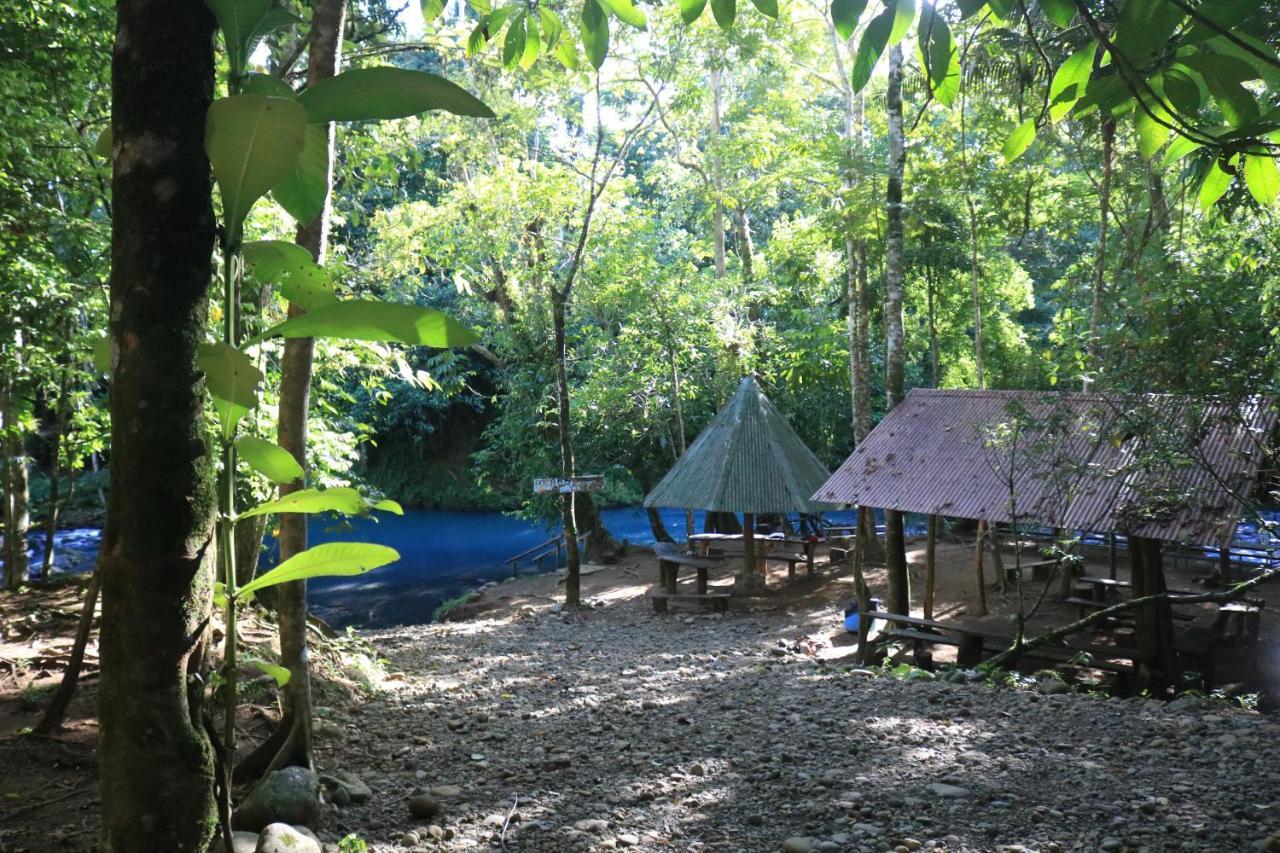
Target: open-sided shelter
<point x="748" y="460"/>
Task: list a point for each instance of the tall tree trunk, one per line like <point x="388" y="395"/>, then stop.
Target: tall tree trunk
<point x="573" y="568"/>
<point x="324" y="48"/>
<point x="156" y="763"/>
<point x="656" y="527"/>
<point x="895" y="541"/>
<point x="934" y="371"/>
<point x="54" y="509"/>
<point x="1154" y="621"/>
<point x="1094" y="349"/>
<point x="717" y="211"/>
<point x="680" y="436"/>
<point x="17" y="517"/>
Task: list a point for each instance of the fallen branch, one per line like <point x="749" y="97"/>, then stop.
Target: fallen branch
<point x="1235" y="593"/>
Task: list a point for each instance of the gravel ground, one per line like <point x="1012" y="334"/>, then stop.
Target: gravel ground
<point x="614" y="728"/>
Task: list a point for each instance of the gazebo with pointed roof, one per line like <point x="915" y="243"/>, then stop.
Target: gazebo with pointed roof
<point x="748" y="460"/>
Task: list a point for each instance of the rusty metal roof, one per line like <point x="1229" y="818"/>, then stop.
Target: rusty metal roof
<point x="748" y="459"/>
<point x="1150" y="465"/>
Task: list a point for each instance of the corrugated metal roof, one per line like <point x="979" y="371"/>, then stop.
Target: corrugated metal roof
<point x="748" y="459"/>
<point x="1148" y="465"/>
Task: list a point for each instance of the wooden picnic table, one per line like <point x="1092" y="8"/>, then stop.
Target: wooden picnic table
<point x="702" y="542"/>
<point x="670" y="560"/>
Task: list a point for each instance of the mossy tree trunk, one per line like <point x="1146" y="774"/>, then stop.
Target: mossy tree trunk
<point x="158" y="553"/>
<point x="894" y="535"/>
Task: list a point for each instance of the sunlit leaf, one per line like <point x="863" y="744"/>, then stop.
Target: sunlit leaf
<point x="1020" y="140"/>
<point x="232" y="380"/>
<point x="1262" y="178"/>
<point x="269" y="459"/>
<point x="305" y="189"/>
<point x="327" y="560"/>
<point x="370" y="320"/>
<point x="845" y="15"/>
<point x="253" y="142"/>
<point x="281" y="674"/>
<point x="691" y="10"/>
<point x="383" y="92"/>
<point x="874" y="39"/>
<point x="904" y="16"/>
<point x="595" y="32"/>
<point x="1215" y="183"/>
<point x="626" y="12"/>
<point x="724" y="11"/>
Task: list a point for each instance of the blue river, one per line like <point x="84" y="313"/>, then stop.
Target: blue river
<point x="442" y="555"/>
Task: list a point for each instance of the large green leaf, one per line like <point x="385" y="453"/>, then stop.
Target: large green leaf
<point x="232" y="380"/>
<point x="1215" y="183"/>
<point x="768" y="8"/>
<point x="1152" y="135"/>
<point x="626" y="12"/>
<point x="305" y="189"/>
<point x="369" y="320"/>
<point x="327" y="560"/>
<point x="383" y="92"/>
<point x="270" y="460"/>
<point x="281" y="674"/>
<point x="845" y="15"/>
<point x="874" y="39"/>
<point x="513" y="43"/>
<point x="1070" y="81"/>
<point x="532" y="42"/>
<point x="1020" y="140"/>
<point x="289" y="266"/>
<point x="265" y="84"/>
<point x="340" y="499"/>
<point x="238" y="20"/>
<point x="253" y="142"/>
<point x="904" y="15"/>
<point x="432" y="9"/>
<point x="595" y="33"/>
<point x="724" y="11"/>
<point x="1180" y="147"/>
<point x="1237" y="103"/>
<point x="1061" y="12"/>
<point x="1262" y="178"/>
<point x="691" y="10"/>
<point x="102" y="145"/>
<point x="939" y="56"/>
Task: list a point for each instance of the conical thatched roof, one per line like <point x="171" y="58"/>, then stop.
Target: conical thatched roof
<point x="748" y="459"/>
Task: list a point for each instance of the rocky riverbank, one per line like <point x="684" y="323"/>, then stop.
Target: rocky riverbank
<point x="532" y="729"/>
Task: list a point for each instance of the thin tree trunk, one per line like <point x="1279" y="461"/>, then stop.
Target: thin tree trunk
<point x="979" y="573"/>
<point x="1094" y="350"/>
<point x="656" y="527"/>
<point x="717" y="211"/>
<point x="1154" y="620"/>
<point x="324" y="48"/>
<point x="573" y="576"/>
<point x="157" y="559"/>
<point x="56" y="712"/>
<point x="895" y="540"/>
<point x="680" y="436"/>
<point x="934" y="370"/>
<point x="54" y="510"/>
<point x="930" y="566"/>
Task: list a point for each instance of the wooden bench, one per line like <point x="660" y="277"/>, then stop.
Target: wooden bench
<point x="1087" y="604"/>
<point x="1041" y="570"/>
<point x="671" y="558"/>
<point x="719" y="601"/>
<point x="1243" y="618"/>
<point x="969" y="642"/>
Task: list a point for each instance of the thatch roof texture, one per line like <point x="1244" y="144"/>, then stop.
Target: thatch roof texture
<point x="748" y="459"/>
<point x="1157" y="466"/>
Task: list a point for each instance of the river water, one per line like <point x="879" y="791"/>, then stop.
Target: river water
<point x="442" y="554"/>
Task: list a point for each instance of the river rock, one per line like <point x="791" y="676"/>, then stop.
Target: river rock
<point x="290" y="796"/>
<point x="799" y="844"/>
<point x="283" y="838"/>
<point x="348" y="786"/>
<point x="241" y="842"/>
<point x="423" y="807"/>
<point x="948" y="792"/>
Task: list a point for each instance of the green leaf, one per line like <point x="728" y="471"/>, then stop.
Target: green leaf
<point x="691" y="10"/>
<point x="1215" y="183"/>
<point x="341" y="499"/>
<point x="368" y="320"/>
<point x="551" y="26"/>
<point x="1060" y="12"/>
<point x="1262" y="178"/>
<point x="290" y="267"/>
<point x="265" y="84"/>
<point x="513" y="44"/>
<point x="1152" y="135"/>
<point x="1000" y="9"/>
<point x="1020" y="140"/>
<point x="969" y="8"/>
<point x="232" y="380"/>
<point x="724" y="11"/>
<point x="383" y="92"/>
<point x="327" y="560"/>
<point x="1237" y="103"/>
<point x="1182" y="91"/>
<point x="102" y="145"/>
<point x="939" y="57"/>
<point x="874" y="40"/>
<point x="1070" y="82"/>
<point x="269" y="459"/>
<point x="1143" y="28"/>
<point x="1180" y="147"/>
<point x="904" y="16"/>
<point x="595" y="32"/>
<point x="626" y="12"/>
<point x="253" y="142"/>
<point x="432" y="9"/>
<point x="281" y="674"/>
<point x="238" y="20"/>
<point x="768" y="8"/>
<point x="532" y="43"/>
<point x="388" y="505"/>
<point x="304" y="190"/>
<point x="845" y="15"/>
<point x="567" y="53"/>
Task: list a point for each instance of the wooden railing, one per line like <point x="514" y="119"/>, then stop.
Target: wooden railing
<point x="551" y="551"/>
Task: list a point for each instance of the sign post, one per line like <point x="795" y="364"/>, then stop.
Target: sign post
<point x="568" y="485"/>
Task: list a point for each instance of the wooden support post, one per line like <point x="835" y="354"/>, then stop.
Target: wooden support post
<point x="930" y="565"/>
<point x="702" y="580"/>
<point x="1111" y="547"/>
<point x="1224" y="564"/>
<point x="979" y="574"/>
<point x="672" y="574"/>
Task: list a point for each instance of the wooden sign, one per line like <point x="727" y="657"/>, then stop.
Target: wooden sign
<point x="565" y="485"/>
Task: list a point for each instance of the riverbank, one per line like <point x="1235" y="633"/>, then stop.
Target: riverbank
<point x="530" y="728"/>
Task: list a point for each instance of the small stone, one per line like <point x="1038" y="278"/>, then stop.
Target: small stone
<point x="948" y="792"/>
<point x="423" y="807"/>
<point x="283" y="838"/>
<point x="626" y="839"/>
<point x="410" y="839"/>
<point x="755" y="820"/>
<point x="446" y="792"/>
<point x="799" y="844"/>
<point x="591" y="824"/>
<point x="1110" y="844"/>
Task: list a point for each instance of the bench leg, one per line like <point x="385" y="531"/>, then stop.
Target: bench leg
<point x="659" y="604"/>
<point x="969" y="654"/>
<point x="791" y="571"/>
<point x="672" y="572"/>
<point x="702" y="580"/>
<point x="719" y="605"/>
